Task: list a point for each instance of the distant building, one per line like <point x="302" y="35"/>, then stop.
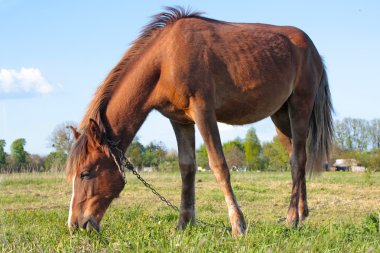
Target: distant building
<point x="147" y="169"/>
<point x="347" y="165"/>
<point x="201" y="169"/>
<point x="239" y="169"/>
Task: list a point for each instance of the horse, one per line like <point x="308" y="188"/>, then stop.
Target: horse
<point x="199" y="71"/>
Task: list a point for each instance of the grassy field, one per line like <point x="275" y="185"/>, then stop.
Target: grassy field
<point x="344" y="215"/>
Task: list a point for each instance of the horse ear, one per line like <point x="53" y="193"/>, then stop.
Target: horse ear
<point x="95" y="135"/>
<point x="75" y="132"/>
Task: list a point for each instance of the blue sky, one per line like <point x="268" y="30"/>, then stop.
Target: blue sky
<point x="53" y="55"/>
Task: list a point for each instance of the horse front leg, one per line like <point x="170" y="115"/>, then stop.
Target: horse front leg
<point x="186" y="154"/>
<point x="206" y="122"/>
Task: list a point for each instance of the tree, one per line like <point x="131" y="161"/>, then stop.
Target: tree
<point x="3" y="155"/>
<point x="275" y="155"/>
<point x="239" y="143"/>
<point x="170" y="162"/>
<point x="234" y="154"/>
<point x="374" y="162"/>
<point x="62" y="138"/>
<point x="135" y="153"/>
<point x="202" y="158"/>
<point x="352" y="134"/>
<point x="374" y="133"/>
<point x="55" y="161"/>
<point x="252" y="148"/>
<point x="35" y="163"/>
<point x="154" y="154"/>
<point x="18" y="154"/>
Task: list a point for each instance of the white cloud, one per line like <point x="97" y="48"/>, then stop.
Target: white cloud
<point x="25" y="81"/>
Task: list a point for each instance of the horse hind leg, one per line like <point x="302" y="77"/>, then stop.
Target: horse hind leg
<point x="300" y="112"/>
<point x="186" y="153"/>
<point x="310" y="115"/>
<point x="281" y="119"/>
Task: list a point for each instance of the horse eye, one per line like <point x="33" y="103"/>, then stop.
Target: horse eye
<point x="85" y="175"/>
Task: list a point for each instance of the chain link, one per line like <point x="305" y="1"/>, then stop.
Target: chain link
<point x="124" y="163"/>
<point x="129" y="166"/>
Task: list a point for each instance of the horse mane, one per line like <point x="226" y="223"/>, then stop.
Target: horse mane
<point x="147" y="35"/>
<point x="104" y="92"/>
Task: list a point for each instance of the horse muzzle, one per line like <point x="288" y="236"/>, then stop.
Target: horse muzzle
<point x="89" y="225"/>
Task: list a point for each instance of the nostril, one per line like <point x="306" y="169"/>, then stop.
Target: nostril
<point x="90" y="226"/>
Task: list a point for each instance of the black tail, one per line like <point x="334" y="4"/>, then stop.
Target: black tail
<point x="321" y="128"/>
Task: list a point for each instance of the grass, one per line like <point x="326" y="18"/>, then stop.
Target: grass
<point x="343" y="217"/>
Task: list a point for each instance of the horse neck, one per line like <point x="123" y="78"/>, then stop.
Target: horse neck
<point x="131" y="102"/>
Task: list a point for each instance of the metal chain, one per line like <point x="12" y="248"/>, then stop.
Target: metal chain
<point x="125" y="163"/>
<point x="129" y="166"/>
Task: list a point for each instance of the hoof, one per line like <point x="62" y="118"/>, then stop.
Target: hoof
<point x="237" y="222"/>
<point x="183" y="222"/>
<point x="292" y="218"/>
<point x="303" y="212"/>
<point x="239" y="230"/>
<point x="181" y="226"/>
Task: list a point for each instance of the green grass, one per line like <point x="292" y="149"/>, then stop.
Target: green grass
<point x="344" y="216"/>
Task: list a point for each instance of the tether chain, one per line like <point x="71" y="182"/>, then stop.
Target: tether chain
<point x="124" y="163"/>
<point x="129" y="166"/>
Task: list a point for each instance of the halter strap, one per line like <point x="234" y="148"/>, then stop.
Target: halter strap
<point x="118" y="162"/>
<point x="122" y="172"/>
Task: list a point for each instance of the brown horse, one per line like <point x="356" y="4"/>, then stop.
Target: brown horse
<point x="196" y="70"/>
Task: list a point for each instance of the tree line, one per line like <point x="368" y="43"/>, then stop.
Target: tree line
<point x="246" y="154"/>
<point x="354" y="139"/>
<point x="358" y="139"/>
<point x="19" y="160"/>
<point x="249" y="154"/>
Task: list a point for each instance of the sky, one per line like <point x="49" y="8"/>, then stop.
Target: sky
<point x="54" y="54"/>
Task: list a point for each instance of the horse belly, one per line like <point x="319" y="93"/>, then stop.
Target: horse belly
<point x="239" y="108"/>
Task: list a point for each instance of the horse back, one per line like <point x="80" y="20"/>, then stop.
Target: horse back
<point x="239" y="63"/>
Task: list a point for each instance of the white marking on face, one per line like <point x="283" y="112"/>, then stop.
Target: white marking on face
<point x="71" y="204"/>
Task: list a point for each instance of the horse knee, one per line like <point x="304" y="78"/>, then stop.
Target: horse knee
<point x="187" y="169"/>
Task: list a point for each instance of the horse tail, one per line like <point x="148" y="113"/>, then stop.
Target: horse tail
<point x="321" y="128"/>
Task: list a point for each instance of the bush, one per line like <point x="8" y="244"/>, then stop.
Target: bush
<point x="371" y="223"/>
<point x="55" y="161"/>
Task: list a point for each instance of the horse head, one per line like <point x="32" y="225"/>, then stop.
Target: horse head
<point x="96" y="178"/>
